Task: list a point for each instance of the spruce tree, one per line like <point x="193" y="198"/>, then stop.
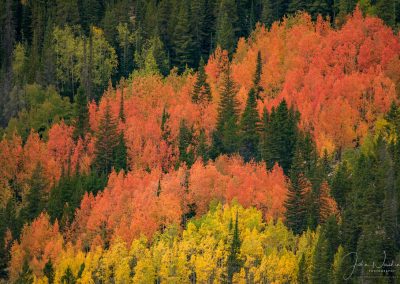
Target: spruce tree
<point x="296" y="201"/>
<point x="227" y="29"/>
<point x="120" y="154"/>
<point x="106" y="142"/>
<point x="202" y="149"/>
<point x="249" y="125"/>
<point x="267" y="16"/>
<point x="185" y="144"/>
<point x="226" y="136"/>
<point x="234" y="263"/>
<point x="48" y="271"/>
<point x="298" y="5"/>
<point x="184" y="43"/>
<point x="321" y="268"/>
<point x="281" y="136"/>
<point x="201" y="91"/>
<point x="36" y="195"/>
<point x="386" y="10"/>
<point x="81" y="114"/>
<point x="257" y="76"/>
<point x="263" y="147"/>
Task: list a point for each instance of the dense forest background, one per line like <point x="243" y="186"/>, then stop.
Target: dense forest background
<point x="117" y="37"/>
<point x="200" y="141"/>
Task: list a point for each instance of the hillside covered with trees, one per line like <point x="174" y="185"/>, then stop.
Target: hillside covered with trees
<point x="200" y="142"/>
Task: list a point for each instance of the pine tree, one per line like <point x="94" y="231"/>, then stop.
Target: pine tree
<point x="201" y="90"/>
<point x="120" y="154"/>
<point x="263" y="147"/>
<point x="185" y="144"/>
<point x="165" y="128"/>
<point x="36" y="195"/>
<point x="257" y="76"/>
<point x="298" y="195"/>
<point x="227" y="29"/>
<point x="298" y="5"/>
<point x="386" y="10"/>
<point x="281" y="136"/>
<point x="267" y="16"/>
<point x="68" y="277"/>
<point x="234" y="263"/>
<point x="121" y="114"/>
<point x="341" y="185"/>
<point x="48" y="271"/>
<point x="249" y="125"/>
<point x="202" y="146"/>
<point x="81" y="114"/>
<point x="106" y="143"/>
<point x="226" y="135"/>
<point x="184" y="43"/>
<point x="321" y="264"/>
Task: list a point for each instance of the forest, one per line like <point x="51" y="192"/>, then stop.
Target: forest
<point x="208" y="141"/>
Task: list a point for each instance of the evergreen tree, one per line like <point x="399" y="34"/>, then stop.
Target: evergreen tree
<point x="257" y="76"/>
<point x="321" y="265"/>
<point x="185" y="144"/>
<point x="201" y="90"/>
<point x="249" y="129"/>
<point x="184" y="43"/>
<point x="36" y="195"/>
<point x="202" y="146"/>
<point x="226" y="135"/>
<point x="281" y="136"/>
<point x="341" y="185"/>
<point x="267" y="16"/>
<point x="298" y="193"/>
<point x="386" y="10"/>
<point x="263" y="147"/>
<point x="121" y="114"/>
<point x="106" y="143"/>
<point x="234" y="263"/>
<point x="81" y="114"/>
<point x="165" y="128"/>
<point x="298" y="5"/>
<point x="48" y="271"/>
<point x="68" y="277"/>
<point x="302" y="273"/>
<point x="120" y="154"/>
<point x="226" y="29"/>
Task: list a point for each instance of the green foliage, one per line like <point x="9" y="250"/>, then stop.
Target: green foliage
<point x="226" y="135"/>
<point x="36" y="197"/>
<point x="281" y="136"/>
<point x="107" y="141"/>
<point x="81" y="114"/>
<point x="184" y="43"/>
<point x="249" y="125"/>
<point x="121" y="154"/>
<point x="201" y="90"/>
<point x="48" y="271"/>
<point x="226" y="27"/>
<point x="43" y="107"/>
<point x="186" y="144"/>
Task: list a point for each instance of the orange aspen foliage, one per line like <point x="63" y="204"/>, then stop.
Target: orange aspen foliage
<point x="40" y="241"/>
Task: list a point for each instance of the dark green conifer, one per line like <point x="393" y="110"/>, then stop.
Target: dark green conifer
<point x="249" y="127"/>
<point x="81" y="114"/>
<point x="226" y="136"/>
<point x="106" y="143"/>
<point x="201" y="90"/>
